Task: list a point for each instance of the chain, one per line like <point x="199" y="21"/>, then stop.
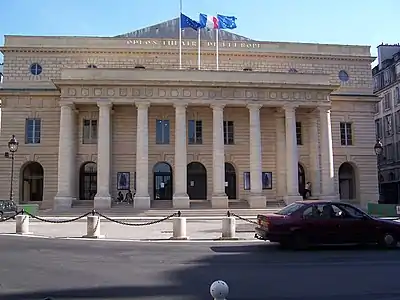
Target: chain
<point x="11" y="217"/>
<point x="139" y="224"/>
<point x="56" y="221"/>
<point x="229" y="214"/>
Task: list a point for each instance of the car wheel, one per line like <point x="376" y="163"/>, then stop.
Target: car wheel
<point x="299" y="241"/>
<point x="388" y="241"/>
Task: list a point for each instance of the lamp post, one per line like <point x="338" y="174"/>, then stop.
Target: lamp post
<point x="12" y="148"/>
<point x="378" y="148"/>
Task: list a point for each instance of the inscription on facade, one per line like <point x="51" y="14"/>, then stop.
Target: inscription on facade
<point x="192" y="44"/>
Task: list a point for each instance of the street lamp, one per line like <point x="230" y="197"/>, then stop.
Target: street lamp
<point x="378" y="148"/>
<point x="12" y="147"/>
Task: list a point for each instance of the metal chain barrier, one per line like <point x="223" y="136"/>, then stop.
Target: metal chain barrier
<point x="11" y="217"/>
<point x="231" y="214"/>
<point x="178" y="214"/>
<point x="56" y="221"/>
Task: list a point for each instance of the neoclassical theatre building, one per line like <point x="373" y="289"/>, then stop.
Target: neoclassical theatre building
<point x="95" y="116"/>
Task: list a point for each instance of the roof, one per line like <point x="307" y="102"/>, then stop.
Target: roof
<point x="170" y="30"/>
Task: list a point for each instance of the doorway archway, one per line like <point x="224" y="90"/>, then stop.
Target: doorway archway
<point x="88" y="181"/>
<point x="162" y="183"/>
<point x="347" y="182"/>
<point x="302" y="179"/>
<point x="230" y="181"/>
<point x="32" y="182"/>
<point x="196" y="181"/>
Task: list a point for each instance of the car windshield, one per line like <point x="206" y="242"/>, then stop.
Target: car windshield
<point x="288" y="210"/>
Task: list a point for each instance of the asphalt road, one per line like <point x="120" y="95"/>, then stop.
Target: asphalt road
<point x="34" y="268"/>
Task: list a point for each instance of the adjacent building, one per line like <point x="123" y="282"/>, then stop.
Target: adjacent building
<point x="386" y="77"/>
<point x="96" y="116"/>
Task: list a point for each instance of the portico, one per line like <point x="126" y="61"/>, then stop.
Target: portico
<point x="275" y="102"/>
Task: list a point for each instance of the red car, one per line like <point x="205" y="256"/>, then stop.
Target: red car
<point x="306" y="223"/>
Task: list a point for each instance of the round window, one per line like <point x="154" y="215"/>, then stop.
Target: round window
<point x="36" y="69"/>
<point x="343" y="76"/>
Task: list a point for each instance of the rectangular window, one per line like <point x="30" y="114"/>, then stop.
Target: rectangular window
<point x="32" y="131"/>
<point x="228" y="133"/>
<point x="389" y="152"/>
<point x="346" y="134"/>
<point x="388" y="125"/>
<point x="376" y="108"/>
<point x="195" y="132"/>
<point x="298" y="133"/>
<point x="378" y="129"/>
<point x="387" y="101"/>
<point x="89" y="131"/>
<point x="162" y="132"/>
<point x="397" y="94"/>
<point x="246" y="181"/>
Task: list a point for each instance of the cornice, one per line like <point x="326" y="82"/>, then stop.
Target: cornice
<point x="205" y="52"/>
<point x="29" y="92"/>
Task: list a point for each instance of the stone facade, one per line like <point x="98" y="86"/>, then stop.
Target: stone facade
<point x="286" y="101"/>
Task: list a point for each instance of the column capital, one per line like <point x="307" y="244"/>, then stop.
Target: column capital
<point x="290" y="107"/>
<point x="217" y="106"/>
<point x="323" y="109"/>
<point x="180" y="105"/>
<point x="104" y="103"/>
<point x="67" y="103"/>
<point x="254" y="106"/>
<point x="142" y="105"/>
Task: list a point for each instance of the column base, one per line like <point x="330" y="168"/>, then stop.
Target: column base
<point x="257" y="201"/>
<point x="142" y="202"/>
<point x="181" y="201"/>
<point x="219" y="201"/>
<point x="102" y="202"/>
<point x="62" y="203"/>
<point x="291" y="199"/>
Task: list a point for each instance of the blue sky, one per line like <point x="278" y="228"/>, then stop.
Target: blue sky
<point x="359" y="22"/>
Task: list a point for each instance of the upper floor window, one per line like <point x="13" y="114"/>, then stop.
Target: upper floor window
<point x="389" y="152"/>
<point x="397" y="116"/>
<point x="388" y="125"/>
<point x="89" y="132"/>
<point x="387" y="101"/>
<point x="228" y="133"/>
<point x="298" y="133"/>
<point x="378" y="129"/>
<point x="195" y="132"/>
<point x="376" y="107"/>
<point x="162" y="131"/>
<point x="346" y="134"/>
<point x="32" y="131"/>
<point x="397" y="94"/>
<point x="36" y="69"/>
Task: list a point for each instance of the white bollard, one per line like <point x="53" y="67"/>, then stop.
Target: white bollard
<point x="93" y="227"/>
<point x="179" y="228"/>
<point x="219" y="290"/>
<point x="228" y="228"/>
<point x="22" y="224"/>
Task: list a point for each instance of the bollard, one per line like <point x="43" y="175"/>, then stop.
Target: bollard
<point x="219" y="290"/>
<point x="22" y="224"/>
<point x="228" y="228"/>
<point x="179" y="229"/>
<point x="93" y="227"/>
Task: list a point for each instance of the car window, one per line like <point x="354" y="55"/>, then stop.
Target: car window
<point x="351" y="211"/>
<point x="291" y="208"/>
<point x="314" y="211"/>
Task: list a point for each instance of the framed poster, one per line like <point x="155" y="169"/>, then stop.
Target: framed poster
<point x="267" y="180"/>
<point x="123" y="181"/>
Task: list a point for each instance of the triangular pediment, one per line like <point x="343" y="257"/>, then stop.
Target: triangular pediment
<point x="170" y="30"/>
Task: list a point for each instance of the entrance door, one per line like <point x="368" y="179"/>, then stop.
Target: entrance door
<point x="230" y="181"/>
<point x="196" y="181"/>
<point x="162" y="181"/>
<point x="302" y="180"/>
<point x="32" y="188"/>
<point x="88" y="181"/>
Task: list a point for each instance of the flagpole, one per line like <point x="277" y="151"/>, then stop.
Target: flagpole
<point x="180" y="34"/>
<point x="199" y="49"/>
<point x="217" y="48"/>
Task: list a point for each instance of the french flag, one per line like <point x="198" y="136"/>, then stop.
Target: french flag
<point x="209" y="22"/>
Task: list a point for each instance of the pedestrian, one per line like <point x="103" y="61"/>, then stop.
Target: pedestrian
<point x="307" y="190"/>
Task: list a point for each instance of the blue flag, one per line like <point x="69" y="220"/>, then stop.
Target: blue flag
<point x="226" y="22"/>
<point x="187" y="22"/>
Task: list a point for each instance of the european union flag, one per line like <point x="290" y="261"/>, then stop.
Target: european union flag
<point x="187" y="22"/>
<point x="226" y="22"/>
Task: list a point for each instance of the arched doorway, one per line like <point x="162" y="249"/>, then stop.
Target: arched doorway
<point x="230" y="181"/>
<point x="347" y="182"/>
<point x="196" y="181"/>
<point x="88" y="181"/>
<point x="302" y="179"/>
<point x="32" y="182"/>
<point x="163" y="184"/>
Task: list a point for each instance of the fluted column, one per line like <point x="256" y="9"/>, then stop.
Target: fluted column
<point x="281" y="189"/>
<point x="292" y="160"/>
<point x="219" y="198"/>
<point x="180" y="199"/>
<point x="315" y="170"/>
<point x="256" y="200"/>
<point x="327" y="167"/>
<point x="142" y="198"/>
<point x="66" y="158"/>
<point x="103" y="197"/>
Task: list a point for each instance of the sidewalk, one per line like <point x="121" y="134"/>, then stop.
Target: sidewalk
<point x="196" y="230"/>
